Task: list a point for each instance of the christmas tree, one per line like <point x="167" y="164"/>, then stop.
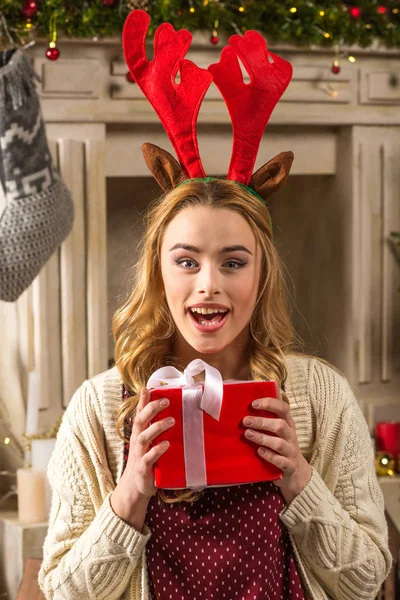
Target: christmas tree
<point x="299" y="22"/>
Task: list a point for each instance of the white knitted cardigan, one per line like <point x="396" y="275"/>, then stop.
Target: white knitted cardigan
<point x="336" y="524"/>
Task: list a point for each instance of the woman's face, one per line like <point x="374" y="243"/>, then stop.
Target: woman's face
<point x="210" y="272"/>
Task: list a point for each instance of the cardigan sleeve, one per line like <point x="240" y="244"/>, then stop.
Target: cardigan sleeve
<point x="341" y="533"/>
<point x="89" y="552"/>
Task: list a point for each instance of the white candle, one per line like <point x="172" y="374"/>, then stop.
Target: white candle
<point x="33" y="402"/>
<point x="41" y="453"/>
<point x="31" y="496"/>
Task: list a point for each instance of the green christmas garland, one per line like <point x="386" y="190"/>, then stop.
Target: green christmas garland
<point x="299" y="22"/>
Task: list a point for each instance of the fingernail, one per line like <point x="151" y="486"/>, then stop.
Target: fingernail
<point x="249" y="434"/>
<point x="248" y="421"/>
<point x="170" y="421"/>
<point x="261" y="450"/>
<point x="164" y="403"/>
<point x="256" y="403"/>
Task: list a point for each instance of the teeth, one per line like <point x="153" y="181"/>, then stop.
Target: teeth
<point x="207" y="323"/>
<point x="209" y="311"/>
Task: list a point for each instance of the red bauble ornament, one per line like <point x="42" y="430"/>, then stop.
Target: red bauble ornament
<point x="335" y="67"/>
<point x="214" y="39"/>
<point x="382" y="10"/>
<point x="129" y="77"/>
<point x="355" y="12"/>
<point x="108" y="2"/>
<point x="52" y="53"/>
<point x="29" y="9"/>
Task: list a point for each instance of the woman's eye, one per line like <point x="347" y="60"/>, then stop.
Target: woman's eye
<point x="237" y="263"/>
<point x="184" y="260"/>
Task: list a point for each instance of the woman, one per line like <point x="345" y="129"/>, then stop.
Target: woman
<point x="330" y="505"/>
<point x="319" y="532"/>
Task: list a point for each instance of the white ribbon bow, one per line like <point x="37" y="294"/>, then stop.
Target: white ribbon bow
<point x="211" y="401"/>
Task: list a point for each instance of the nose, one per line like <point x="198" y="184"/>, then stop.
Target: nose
<point x="208" y="281"/>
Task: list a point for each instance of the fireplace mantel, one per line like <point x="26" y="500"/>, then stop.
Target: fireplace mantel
<point x="88" y="84"/>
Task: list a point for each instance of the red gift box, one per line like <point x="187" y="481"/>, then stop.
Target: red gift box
<point x="199" y="442"/>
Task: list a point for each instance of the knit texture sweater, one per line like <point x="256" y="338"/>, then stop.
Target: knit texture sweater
<point x="336" y="523"/>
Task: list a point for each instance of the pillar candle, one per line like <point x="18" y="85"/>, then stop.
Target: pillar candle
<point x="31" y="496"/>
<point x="41" y="453"/>
<point x="33" y="402"/>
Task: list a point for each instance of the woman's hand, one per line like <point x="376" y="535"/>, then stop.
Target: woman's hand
<point x="283" y="450"/>
<point x="136" y="486"/>
<point x="140" y="465"/>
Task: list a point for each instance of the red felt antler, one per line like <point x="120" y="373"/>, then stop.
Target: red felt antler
<point x="250" y="105"/>
<point x="177" y="104"/>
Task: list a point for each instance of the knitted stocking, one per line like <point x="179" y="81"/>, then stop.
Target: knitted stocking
<point x="39" y="209"/>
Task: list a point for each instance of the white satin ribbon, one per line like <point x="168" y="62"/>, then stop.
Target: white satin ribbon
<point x="194" y="401"/>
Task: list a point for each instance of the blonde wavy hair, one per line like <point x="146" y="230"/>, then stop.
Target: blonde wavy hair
<point x="143" y="328"/>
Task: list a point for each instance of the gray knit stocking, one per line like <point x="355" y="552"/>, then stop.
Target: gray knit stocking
<point x="39" y="209"/>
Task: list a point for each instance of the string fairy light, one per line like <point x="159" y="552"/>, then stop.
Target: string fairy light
<point x="35" y="17"/>
<point x="11" y="444"/>
<point x="214" y="39"/>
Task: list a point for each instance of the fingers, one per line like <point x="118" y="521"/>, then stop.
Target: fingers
<point x="273" y="449"/>
<point x="276" y="444"/>
<point x="281" y="426"/>
<point x="142" y="455"/>
<point x="277" y="426"/>
<point x="282" y="462"/>
<point x="146" y="410"/>
<point x="275" y="405"/>
<point x="145" y="438"/>
<point x="144" y="432"/>
<point x="144" y="398"/>
<point x="154" y="454"/>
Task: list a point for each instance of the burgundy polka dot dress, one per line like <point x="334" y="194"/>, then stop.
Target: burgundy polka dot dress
<point x="230" y="544"/>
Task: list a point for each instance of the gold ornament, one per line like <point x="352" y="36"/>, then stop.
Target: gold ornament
<point x="384" y="464"/>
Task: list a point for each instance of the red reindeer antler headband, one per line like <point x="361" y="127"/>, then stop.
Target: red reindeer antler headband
<point x="177" y="104"/>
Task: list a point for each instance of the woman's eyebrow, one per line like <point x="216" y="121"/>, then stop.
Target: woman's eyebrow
<point x="222" y="251"/>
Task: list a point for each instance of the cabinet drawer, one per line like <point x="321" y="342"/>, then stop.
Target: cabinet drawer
<point x="309" y="84"/>
<point x="380" y="87"/>
<point x="69" y="78"/>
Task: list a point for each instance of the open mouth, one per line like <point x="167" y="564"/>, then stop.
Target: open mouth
<point x="209" y="322"/>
